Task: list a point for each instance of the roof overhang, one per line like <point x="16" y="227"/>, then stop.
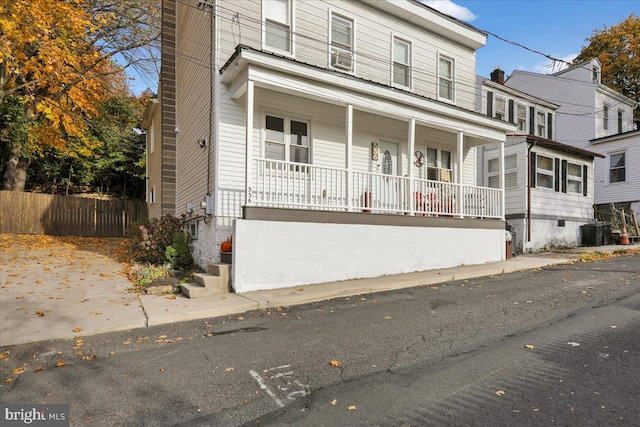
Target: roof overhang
<point x="617" y="137"/>
<point x="149" y="112"/>
<point x="565" y="148"/>
<point x="519" y="94"/>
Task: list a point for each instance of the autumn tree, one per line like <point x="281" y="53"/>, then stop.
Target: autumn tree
<point x="618" y="49"/>
<point x="57" y="65"/>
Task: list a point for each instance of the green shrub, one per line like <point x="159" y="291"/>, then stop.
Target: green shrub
<point x="145" y="274"/>
<point x="150" y="238"/>
<point x="178" y="253"/>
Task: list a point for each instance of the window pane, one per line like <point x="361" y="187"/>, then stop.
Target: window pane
<point x="432" y="174"/>
<point x="545" y="163"/>
<point x="277" y="10"/>
<point x="401" y="52"/>
<point x="617" y="160"/>
<point x="617" y="175"/>
<point x="277" y="36"/>
<point x="274" y="151"/>
<point x="446" y="159"/>
<point x="299" y="133"/>
<point x="401" y="74"/>
<point x="275" y="129"/>
<point x="432" y="157"/>
<point x="544" y="180"/>
<point x="445" y="68"/>
<point x="493" y="165"/>
<point x="511" y="162"/>
<point x="574" y="170"/>
<point x="494" y="181"/>
<point x="299" y="154"/>
<point x="446" y="90"/>
<point x="574" y="186"/>
<point x="511" y="180"/>
<point x="341" y="32"/>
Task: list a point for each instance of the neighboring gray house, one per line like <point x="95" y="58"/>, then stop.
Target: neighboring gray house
<point x="593" y="117"/>
<point x="548" y="185"/>
<point x="332" y="140"/>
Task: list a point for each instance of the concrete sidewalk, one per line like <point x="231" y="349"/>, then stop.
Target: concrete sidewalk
<point x="87" y="294"/>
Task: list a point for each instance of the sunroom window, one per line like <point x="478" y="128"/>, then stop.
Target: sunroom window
<point x="545" y="172"/>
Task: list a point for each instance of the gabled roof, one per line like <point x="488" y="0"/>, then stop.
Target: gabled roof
<point x="518" y="93"/>
<point x="581" y="64"/>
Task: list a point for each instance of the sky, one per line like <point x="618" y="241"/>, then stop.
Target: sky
<point x="555" y="27"/>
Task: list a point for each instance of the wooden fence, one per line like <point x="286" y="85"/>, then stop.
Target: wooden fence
<point x="36" y="213"/>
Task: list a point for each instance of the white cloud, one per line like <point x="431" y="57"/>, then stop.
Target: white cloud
<point x="547" y="67"/>
<point x="452" y="9"/>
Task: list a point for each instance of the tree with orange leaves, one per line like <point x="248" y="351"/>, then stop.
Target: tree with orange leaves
<point x="57" y="66"/>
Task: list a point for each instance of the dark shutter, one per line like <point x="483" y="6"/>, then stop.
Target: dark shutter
<point x="511" y="118"/>
<point x="532" y="170"/>
<point x="557" y="174"/>
<point x="564" y="176"/>
<point x="584" y="180"/>
<point x="549" y="126"/>
<point x="532" y="120"/>
<point x="490" y="104"/>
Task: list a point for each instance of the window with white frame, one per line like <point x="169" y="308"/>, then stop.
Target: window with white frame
<point x="401" y="62"/>
<point x="545" y="172"/>
<point x="574" y="178"/>
<point x="499" y="106"/>
<point x="541" y="124"/>
<point x="445" y="78"/>
<point x="595" y="74"/>
<point x="605" y="117"/>
<point x="510" y="172"/>
<point x="617" y="167"/>
<point x="620" y="117"/>
<point x="286" y="139"/>
<point x="522" y="118"/>
<point x="277" y="24"/>
<point x="438" y="164"/>
<point x="341" y="42"/>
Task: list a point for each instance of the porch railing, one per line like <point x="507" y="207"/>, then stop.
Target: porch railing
<point x="297" y="185"/>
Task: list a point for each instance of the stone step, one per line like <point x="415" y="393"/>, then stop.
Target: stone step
<point x="220" y="269"/>
<point x="218" y="284"/>
<point x="192" y="290"/>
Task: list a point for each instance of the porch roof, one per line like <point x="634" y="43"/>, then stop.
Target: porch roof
<point x="288" y="75"/>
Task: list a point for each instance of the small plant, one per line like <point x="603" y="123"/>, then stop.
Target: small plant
<point x="145" y="274"/>
<point x="178" y="253"/>
<point x="150" y="238"/>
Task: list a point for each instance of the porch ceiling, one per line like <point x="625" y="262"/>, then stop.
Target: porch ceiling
<point x="286" y="76"/>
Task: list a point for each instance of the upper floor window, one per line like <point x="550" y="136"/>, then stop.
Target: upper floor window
<point x="401" y="62"/>
<point x="438" y="165"/>
<point x="500" y="105"/>
<point x="545" y="172"/>
<point x="445" y="78"/>
<point x="620" y="117"/>
<point x="341" y="42"/>
<point x="286" y="139"/>
<point x="617" y="167"/>
<point x="277" y="24"/>
<point x="605" y="117"/>
<point x="541" y="124"/>
<point x="522" y="118"/>
<point x="510" y="172"/>
<point x="595" y="74"/>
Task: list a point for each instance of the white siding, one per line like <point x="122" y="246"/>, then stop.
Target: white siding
<point x="154" y="164"/>
<point x="620" y="191"/>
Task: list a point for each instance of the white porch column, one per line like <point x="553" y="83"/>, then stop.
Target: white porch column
<point x="501" y="175"/>
<point x="349" y="165"/>
<point x="248" y="167"/>
<point x="460" y="195"/>
<point x="412" y="148"/>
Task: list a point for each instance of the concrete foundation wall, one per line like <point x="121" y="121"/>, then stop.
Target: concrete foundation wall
<point x="272" y="254"/>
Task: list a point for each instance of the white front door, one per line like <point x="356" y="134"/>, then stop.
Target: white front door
<point x="387" y="192"/>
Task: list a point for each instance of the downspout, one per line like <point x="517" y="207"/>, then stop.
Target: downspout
<point x="531" y="145"/>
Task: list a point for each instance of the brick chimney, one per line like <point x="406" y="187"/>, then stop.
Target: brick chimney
<point x="497" y="76"/>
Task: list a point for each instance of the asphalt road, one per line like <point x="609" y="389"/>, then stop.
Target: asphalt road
<point x="452" y="354"/>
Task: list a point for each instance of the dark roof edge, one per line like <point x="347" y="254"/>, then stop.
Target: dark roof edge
<point x="548" y="143"/>
<point x="617" y="135"/>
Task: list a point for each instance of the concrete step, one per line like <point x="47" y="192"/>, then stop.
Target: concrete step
<point x="220" y="269"/>
<point x="193" y="290"/>
<point x="218" y="284"/>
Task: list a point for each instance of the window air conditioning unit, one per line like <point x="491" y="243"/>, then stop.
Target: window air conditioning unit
<point x="342" y="59"/>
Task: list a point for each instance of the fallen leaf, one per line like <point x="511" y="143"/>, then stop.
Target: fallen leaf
<point x="113" y="353"/>
<point x="228" y="369"/>
<point x="91" y="357"/>
<point x="60" y="363"/>
<point x="613" y="326"/>
<point x="8" y="380"/>
<point x="334" y="363"/>
<point x="387" y="317"/>
<point x="19" y="371"/>
<point x="161" y="369"/>
<point x="529" y="346"/>
<point x="334" y="401"/>
<point x="300" y="289"/>
<point x="76" y="329"/>
<point x="500" y="392"/>
<point x="40" y="313"/>
<point x="363" y="299"/>
<point x="39" y="368"/>
<point x="240" y="318"/>
<point x="351" y="408"/>
<point x="574" y="344"/>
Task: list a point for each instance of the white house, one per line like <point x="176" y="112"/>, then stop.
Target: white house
<point x="590" y="116"/>
<point x="549" y="187"/>
<point x="332" y="140"/>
